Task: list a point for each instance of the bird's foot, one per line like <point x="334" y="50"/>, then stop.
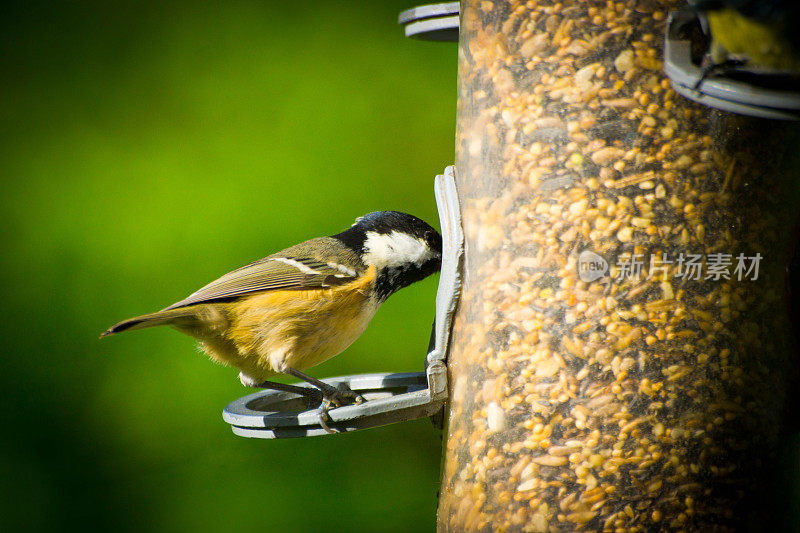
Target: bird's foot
<point x="343" y="395"/>
<point x="333" y="398"/>
<point x="313" y="396"/>
<point x="711" y="69"/>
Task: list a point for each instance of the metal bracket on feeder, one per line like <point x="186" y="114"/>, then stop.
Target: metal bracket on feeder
<point x="270" y="414"/>
<point x="432" y="22"/>
<point x="746" y="90"/>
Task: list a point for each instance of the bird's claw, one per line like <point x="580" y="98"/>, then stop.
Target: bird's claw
<point x="339" y="398"/>
<point x="711" y="69"/>
<point x="345" y="396"/>
<point x="324" y="417"/>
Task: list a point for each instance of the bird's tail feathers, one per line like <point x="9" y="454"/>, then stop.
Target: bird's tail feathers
<point x="160" y="318"/>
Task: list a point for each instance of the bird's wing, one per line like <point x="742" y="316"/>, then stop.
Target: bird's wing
<point x="270" y="273"/>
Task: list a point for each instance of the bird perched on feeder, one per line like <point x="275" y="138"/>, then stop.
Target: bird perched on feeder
<point x="303" y="305"/>
<point x="753" y="32"/>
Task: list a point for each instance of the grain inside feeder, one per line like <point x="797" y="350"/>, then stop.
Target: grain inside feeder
<point x="622" y="351"/>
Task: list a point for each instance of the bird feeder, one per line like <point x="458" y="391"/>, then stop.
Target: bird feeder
<point x="621" y="352"/>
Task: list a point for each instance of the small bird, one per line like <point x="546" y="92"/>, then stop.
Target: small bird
<point x="303" y="305"/>
<point x="753" y="32"/>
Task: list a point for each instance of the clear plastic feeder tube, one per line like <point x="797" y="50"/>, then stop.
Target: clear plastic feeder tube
<point x="622" y="349"/>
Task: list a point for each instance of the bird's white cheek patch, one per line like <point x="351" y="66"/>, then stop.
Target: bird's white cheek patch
<point x="395" y="249"/>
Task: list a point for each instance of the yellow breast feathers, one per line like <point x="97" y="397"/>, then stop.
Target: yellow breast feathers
<point x="296" y="328"/>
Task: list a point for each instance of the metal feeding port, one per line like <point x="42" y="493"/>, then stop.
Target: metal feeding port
<point x="743" y="89"/>
<point x="432" y="22"/>
<point x="390" y="398"/>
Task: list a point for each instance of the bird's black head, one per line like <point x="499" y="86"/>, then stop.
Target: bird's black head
<point x="403" y="248"/>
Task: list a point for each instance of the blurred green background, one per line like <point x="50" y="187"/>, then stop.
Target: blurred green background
<point x="148" y="148"/>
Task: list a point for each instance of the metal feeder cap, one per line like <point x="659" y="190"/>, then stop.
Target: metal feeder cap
<point x="432" y="22"/>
